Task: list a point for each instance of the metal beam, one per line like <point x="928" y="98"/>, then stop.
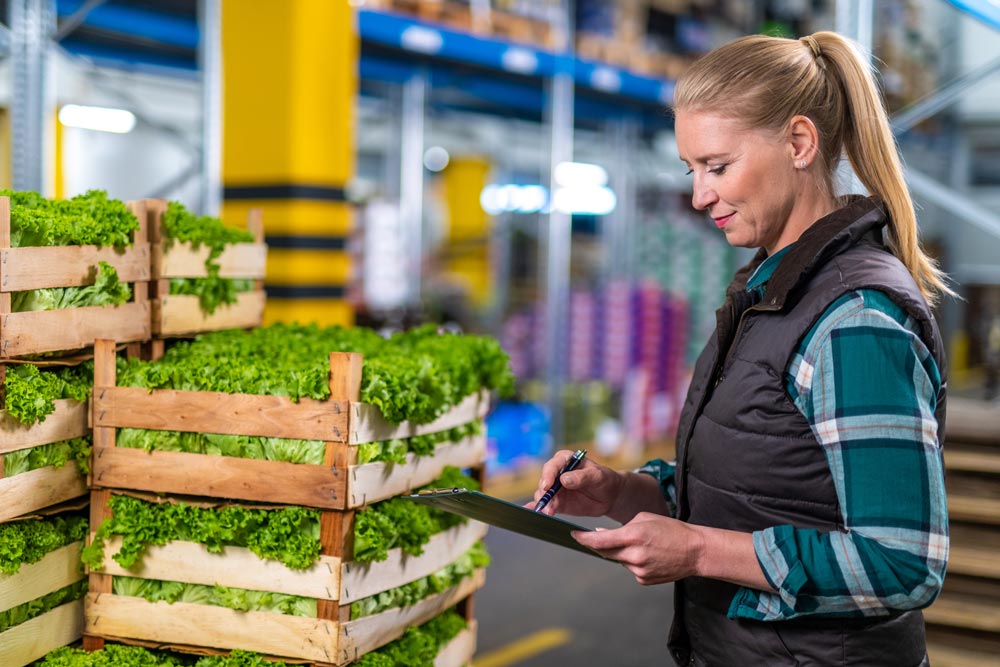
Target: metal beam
<point x="557" y="234"/>
<point x="4" y="41"/>
<point x="956" y="203"/>
<point x="210" y="64"/>
<point x="76" y="19"/>
<point x="32" y="106"/>
<point x="411" y="180"/>
<point x="941" y="98"/>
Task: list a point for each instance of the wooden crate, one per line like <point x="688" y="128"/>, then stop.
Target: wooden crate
<point x="69" y="266"/>
<point x="336" y="488"/>
<point x="329" y="639"/>
<point x="37" y="489"/>
<point x="342" y="422"/>
<point x="181" y="314"/>
<point x="30" y="641"/>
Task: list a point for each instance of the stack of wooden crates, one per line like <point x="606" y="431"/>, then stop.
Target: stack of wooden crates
<point x="337" y="488"/>
<point x="49" y="490"/>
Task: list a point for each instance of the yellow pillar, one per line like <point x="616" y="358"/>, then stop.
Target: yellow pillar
<point x="290" y="80"/>
<point x="467" y="242"/>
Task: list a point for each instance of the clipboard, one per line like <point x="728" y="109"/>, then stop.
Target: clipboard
<point x="503" y="514"/>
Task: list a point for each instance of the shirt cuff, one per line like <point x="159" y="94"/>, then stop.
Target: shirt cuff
<point x="663" y="472"/>
<point x="775" y="549"/>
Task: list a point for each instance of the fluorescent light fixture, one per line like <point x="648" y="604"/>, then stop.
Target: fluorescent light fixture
<point x="580" y="175"/>
<point x="496" y="199"/>
<point x="436" y="158"/>
<point x="585" y="201"/>
<point x="102" y="119"/>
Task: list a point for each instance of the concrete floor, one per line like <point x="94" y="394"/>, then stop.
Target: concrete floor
<point x="592" y="610"/>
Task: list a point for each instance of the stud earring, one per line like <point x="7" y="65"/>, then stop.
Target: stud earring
<point x="801" y="164"/>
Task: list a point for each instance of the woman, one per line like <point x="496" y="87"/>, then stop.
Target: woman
<point x="805" y="521"/>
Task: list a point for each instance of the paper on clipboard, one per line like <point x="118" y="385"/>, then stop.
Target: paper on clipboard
<point x="503" y="514"/>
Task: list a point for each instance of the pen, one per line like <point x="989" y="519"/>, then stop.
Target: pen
<point x="574" y="461"/>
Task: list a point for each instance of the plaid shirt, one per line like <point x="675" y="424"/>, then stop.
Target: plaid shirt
<point x="868" y="387"/>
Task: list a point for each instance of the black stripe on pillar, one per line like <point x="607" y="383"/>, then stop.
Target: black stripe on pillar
<point x="284" y="191"/>
<point x="305" y="291"/>
<point x="307" y="242"/>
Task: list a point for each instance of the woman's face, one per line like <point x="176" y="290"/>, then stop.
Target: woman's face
<point x="745" y="179"/>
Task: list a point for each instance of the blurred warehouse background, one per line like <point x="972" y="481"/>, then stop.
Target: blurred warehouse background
<point x="509" y="167"/>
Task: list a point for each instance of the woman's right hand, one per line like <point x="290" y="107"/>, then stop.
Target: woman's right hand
<point x="590" y="490"/>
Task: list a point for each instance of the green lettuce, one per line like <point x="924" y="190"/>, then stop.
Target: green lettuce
<point x="28" y="541"/>
<point x="413" y="376"/>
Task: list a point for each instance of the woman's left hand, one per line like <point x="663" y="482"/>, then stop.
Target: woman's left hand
<point x="655" y="548"/>
<point x="658" y="550"/>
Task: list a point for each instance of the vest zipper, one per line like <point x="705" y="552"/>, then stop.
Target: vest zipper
<point x="739" y="330"/>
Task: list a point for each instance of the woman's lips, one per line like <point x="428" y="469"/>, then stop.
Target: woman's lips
<point x="721" y="222"/>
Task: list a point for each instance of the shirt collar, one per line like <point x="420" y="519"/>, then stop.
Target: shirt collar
<point x="766" y="269"/>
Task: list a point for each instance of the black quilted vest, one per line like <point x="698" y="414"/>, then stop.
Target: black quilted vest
<point x="747" y="458"/>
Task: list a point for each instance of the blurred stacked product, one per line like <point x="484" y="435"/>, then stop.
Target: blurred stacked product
<point x="249" y="479"/>
<point x="963" y="624"/>
<point x="625" y="360"/>
<point x="524" y="22"/>
<point x="687" y="257"/>
<point x="909" y="55"/>
<point x="640" y="35"/>
<point x="71" y="272"/>
<point x="206" y="276"/>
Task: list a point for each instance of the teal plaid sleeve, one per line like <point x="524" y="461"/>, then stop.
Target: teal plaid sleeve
<point x="663" y="472"/>
<point x="868" y="386"/>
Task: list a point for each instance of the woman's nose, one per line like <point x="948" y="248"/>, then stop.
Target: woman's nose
<point x="703" y="197"/>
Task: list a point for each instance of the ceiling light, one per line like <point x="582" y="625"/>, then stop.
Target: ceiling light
<point x="102" y="119"/>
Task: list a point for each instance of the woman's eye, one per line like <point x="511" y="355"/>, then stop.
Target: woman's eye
<point x="718" y="171"/>
<point x="689" y="172"/>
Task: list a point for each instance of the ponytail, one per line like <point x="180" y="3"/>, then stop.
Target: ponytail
<point x="871" y="149"/>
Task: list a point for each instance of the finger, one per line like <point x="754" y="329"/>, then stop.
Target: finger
<point x="601" y="540"/>
<point x="551" y="469"/>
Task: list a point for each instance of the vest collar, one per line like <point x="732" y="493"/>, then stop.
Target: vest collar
<point x="861" y="219"/>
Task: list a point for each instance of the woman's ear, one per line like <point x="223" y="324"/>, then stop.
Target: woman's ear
<point x="803" y="141"/>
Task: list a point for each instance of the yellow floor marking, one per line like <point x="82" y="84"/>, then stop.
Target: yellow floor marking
<point x="524" y="648"/>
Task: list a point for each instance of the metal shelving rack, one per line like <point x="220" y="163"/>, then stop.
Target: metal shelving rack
<point x="414" y="54"/>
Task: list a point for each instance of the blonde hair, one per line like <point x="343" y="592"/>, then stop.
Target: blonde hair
<point x="764" y="81"/>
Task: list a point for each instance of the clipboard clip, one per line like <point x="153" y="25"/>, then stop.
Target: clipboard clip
<point x="438" y="492"/>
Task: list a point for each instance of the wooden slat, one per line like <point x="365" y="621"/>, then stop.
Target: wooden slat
<point x="361" y="581"/>
<point x="950" y="648"/>
<point x="54" y="571"/>
<point x="68" y="420"/>
<point x="218" y="477"/>
<point x="971" y="421"/>
<point x="371" y="482"/>
<point x="192" y="563"/>
<point x="968" y="459"/>
<point x="216" y="412"/>
<point x="368" y="633"/>
<point x="180" y="260"/>
<point x="958" y="656"/>
<point x="368" y="424"/>
<point x="973" y="560"/>
<point x="459" y="651"/>
<point x="112" y="616"/>
<point x="69" y="266"/>
<point x="965" y="611"/>
<point x="181" y="314"/>
<point x="32" y="640"/>
<point x="72" y="328"/>
<point x="36" y="489"/>
<point x="973" y="508"/>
